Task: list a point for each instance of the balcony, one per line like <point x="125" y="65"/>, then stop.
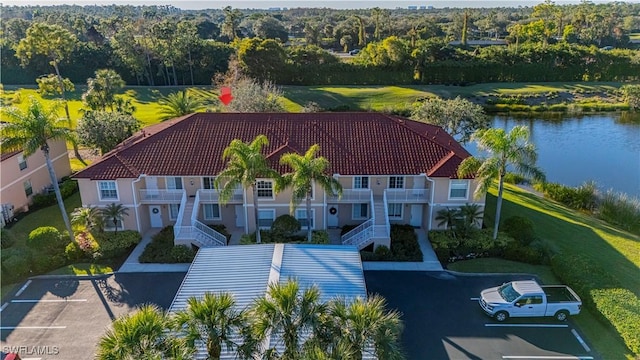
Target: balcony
<point x="351" y="196"/>
<point x="407" y="195"/>
<point x="213" y="196"/>
<point x="160" y="196"/>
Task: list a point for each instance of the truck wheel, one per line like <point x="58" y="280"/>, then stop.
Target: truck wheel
<point x="561" y="315"/>
<point x="501" y="316"/>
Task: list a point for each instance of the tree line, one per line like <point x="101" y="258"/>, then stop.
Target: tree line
<point x="164" y="45"/>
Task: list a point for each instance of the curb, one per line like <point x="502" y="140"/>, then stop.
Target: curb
<point x="78" y="277"/>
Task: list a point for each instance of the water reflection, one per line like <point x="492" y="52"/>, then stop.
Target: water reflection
<point x="574" y="149"/>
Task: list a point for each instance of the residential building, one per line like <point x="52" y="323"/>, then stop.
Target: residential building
<point x="23" y="176"/>
<point x="392" y="170"/>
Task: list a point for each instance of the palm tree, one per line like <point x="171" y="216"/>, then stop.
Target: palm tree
<point x="114" y="213"/>
<point x="505" y="150"/>
<point x="31" y="130"/>
<point x="244" y="166"/>
<point x="307" y="170"/>
<point x="365" y="325"/>
<point x="290" y="311"/>
<point x="471" y="214"/>
<point x="447" y="217"/>
<point x="141" y="335"/>
<point x="88" y="217"/>
<point x="213" y="320"/>
<point x="178" y="104"/>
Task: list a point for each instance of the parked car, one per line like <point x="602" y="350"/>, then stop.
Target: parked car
<point x="529" y="299"/>
<point x="354" y="52"/>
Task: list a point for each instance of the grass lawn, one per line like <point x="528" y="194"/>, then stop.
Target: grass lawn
<point x="494" y="265"/>
<point x="570" y="232"/>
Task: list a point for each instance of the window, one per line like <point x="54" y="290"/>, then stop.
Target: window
<point x="265" y="188"/>
<point x="361" y="182"/>
<point x="174" y="183"/>
<point x="109" y="225"/>
<point x="360" y="211"/>
<point x="22" y="162"/>
<point x="458" y="189"/>
<point x="265" y="218"/>
<point x="396" y="182"/>
<point x="301" y="215"/>
<point x="211" y="211"/>
<point x="108" y="190"/>
<point x="174" y="209"/>
<point x="395" y="211"/>
<point x="208" y="182"/>
<point x="28" y="190"/>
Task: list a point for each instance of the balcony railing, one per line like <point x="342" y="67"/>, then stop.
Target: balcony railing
<point x="352" y="196"/>
<point x="213" y="196"/>
<point x="160" y="195"/>
<point x="407" y="195"/>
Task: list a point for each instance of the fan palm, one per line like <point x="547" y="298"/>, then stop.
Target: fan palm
<point x="364" y="326"/>
<point x="511" y="149"/>
<point x="471" y="214"/>
<point x="178" y="104"/>
<point x="30" y="131"/>
<point x="213" y="319"/>
<point x="88" y="217"/>
<point x="141" y="335"/>
<point x="307" y="170"/>
<point x="290" y="311"/>
<point x="245" y="164"/>
<point x="114" y="213"/>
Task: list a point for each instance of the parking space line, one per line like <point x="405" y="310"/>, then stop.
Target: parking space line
<point x="527" y="325"/>
<point x="579" y="338"/>
<point x="568" y="357"/>
<point x="474" y="299"/>
<point x="23" y="288"/>
<point x="31" y="327"/>
<point x="47" y="300"/>
<point x="4" y="306"/>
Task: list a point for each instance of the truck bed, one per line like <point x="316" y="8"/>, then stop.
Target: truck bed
<point x="556" y="294"/>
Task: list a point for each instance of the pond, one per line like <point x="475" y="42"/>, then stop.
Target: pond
<point x="574" y="149"/>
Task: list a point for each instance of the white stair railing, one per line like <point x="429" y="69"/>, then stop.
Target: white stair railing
<point x="203" y="233"/>
<point x="386" y="214"/>
<point x="177" y="229"/>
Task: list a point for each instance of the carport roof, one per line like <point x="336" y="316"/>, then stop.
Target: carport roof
<point x="246" y="270"/>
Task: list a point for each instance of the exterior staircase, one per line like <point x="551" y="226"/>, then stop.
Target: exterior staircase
<point x="377" y="227"/>
<point x="189" y="230"/>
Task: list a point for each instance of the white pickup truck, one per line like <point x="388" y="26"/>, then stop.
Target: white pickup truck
<point x="529" y="299"/>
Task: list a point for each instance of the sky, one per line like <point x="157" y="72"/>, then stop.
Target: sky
<point x="265" y="4"/>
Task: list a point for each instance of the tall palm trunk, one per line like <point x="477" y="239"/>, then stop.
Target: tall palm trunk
<point x="191" y="67"/>
<point x="56" y="188"/>
<point x="76" y="152"/>
<point x="498" y="206"/>
<point x="255" y="213"/>
<point x="308" y="217"/>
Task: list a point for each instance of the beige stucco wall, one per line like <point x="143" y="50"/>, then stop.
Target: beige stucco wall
<point x="12" y="178"/>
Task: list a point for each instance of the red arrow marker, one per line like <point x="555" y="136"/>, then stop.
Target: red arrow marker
<point x="225" y="95"/>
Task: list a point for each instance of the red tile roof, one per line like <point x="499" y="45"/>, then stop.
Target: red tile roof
<point x="354" y="144"/>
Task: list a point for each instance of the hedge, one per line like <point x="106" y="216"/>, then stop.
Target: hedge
<point x="112" y="245"/>
<point x="162" y="249"/>
<point x="602" y="295"/>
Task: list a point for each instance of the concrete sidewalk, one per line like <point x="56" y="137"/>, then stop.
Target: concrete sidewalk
<point x="132" y="265"/>
<point x="429" y="259"/>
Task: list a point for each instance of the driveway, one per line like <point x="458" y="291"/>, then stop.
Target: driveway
<point x="63" y="318"/>
<point x="444" y="321"/>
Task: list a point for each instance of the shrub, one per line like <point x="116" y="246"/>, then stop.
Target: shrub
<point x="46" y="238"/>
<point x="513" y="178"/>
<point x="320" y="237"/>
<point x="480" y="242"/>
<point x="116" y="244"/>
<point x="382" y="253"/>
<point x="582" y="197"/>
<point x="404" y="243"/>
<point x="523" y="253"/>
<point x="73" y="252"/>
<point x="39" y="201"/>
<point x="620" y="209"/>
<point x="16" y="263"/>
<point x="602" y="295"/>
<point x="346" y="228"/>
<point x="43" y="264"/>
<point x="182" y="254"/>
<point x="222" y="230"/>
<point x="86" y="243"/>
<point x="285" y="225"/>
<point x="68" y="188"/>
<point x="6" y="239"/>
<point x="519" y="228"/>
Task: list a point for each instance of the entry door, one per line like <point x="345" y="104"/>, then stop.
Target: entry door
<point x="239" y="216"/>
<point x="332" y="217"/>
<point x="155" y="214"/>
<point x="152" y="187"/>
<point x="416" y="216"/>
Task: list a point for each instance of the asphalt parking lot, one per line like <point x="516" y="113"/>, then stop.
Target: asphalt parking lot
<point x="442" y="321"/>
<point x="63" y="318"/>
